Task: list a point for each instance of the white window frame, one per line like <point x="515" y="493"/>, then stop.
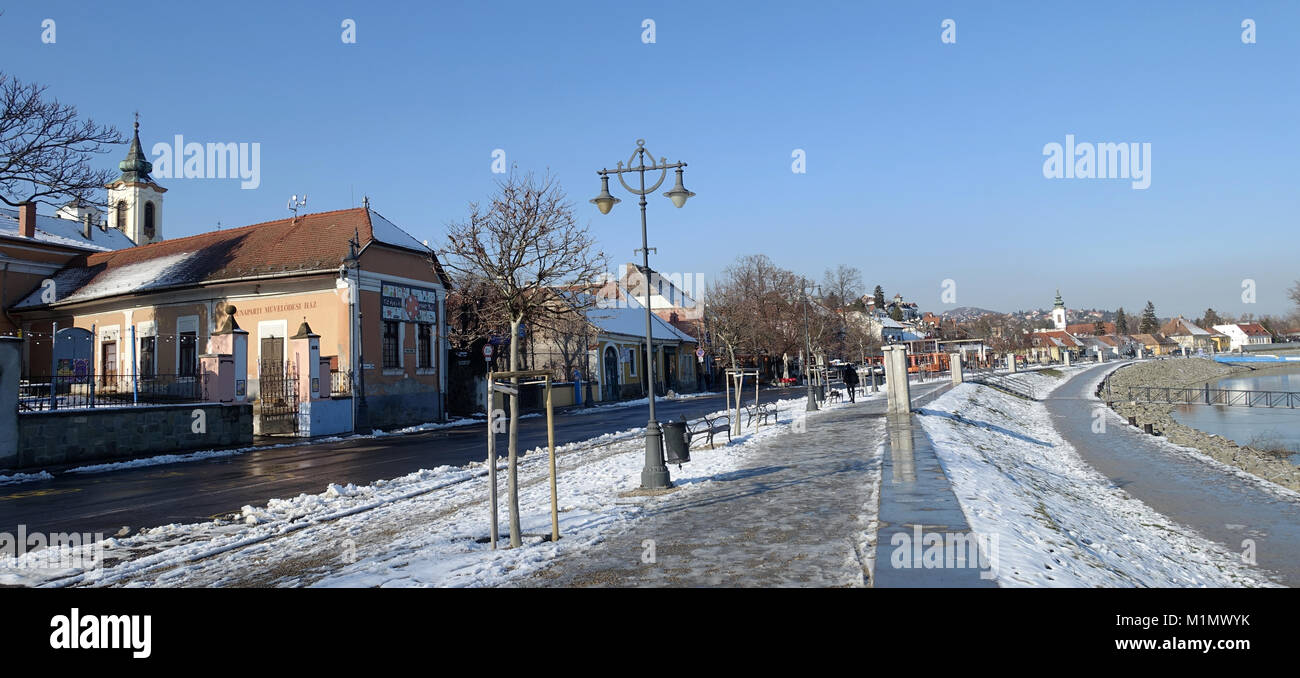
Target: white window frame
<point x="278" y="329"/>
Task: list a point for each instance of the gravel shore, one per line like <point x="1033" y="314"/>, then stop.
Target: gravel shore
<point x="1176" y="372"/>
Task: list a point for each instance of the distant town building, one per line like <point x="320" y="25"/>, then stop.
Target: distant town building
<point x="1245" y="334"/>
<point x="1187" y="335"/>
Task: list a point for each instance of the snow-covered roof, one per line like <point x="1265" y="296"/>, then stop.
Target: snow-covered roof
<point x="308" y="243"/>
<point x="65" y="232"/>
<point x="1181" y="327"/>
<point x="389" y="233"/>
<point x="627" y="317"/>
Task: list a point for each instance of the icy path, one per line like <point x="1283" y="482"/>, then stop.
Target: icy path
<point x="801" y="513"/>
<point x="1223" y="503"/>
<point x="1057" y="521"/>
<point x="423" y="529"/>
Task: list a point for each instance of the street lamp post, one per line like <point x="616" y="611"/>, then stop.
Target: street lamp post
<point x="807" y="343"/>
<point x="655" y="474"/>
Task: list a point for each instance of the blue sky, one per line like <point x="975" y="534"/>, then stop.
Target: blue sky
<point x="924" y="160"/>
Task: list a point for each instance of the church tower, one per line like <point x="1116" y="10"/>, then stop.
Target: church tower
<point x="134" y="200"/>
<point x="1058" y="313"/>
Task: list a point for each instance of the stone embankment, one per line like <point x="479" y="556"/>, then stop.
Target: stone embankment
<point x="1270" y="465"/>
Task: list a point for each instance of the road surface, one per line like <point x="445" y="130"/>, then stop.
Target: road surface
<point x="199" y="490"/>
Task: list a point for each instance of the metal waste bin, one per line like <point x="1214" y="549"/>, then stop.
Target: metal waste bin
<point x="676" y="442"/>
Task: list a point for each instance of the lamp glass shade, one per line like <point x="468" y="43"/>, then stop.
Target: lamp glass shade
<point x="679" y="194"/>
<point x="605" y="201"/>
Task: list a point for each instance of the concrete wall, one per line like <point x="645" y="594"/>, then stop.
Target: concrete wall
<point x="331" y="416"/>
<point x="83" y="436"/>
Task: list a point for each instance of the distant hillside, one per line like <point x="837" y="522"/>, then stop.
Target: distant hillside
<point x="967" y="313"/>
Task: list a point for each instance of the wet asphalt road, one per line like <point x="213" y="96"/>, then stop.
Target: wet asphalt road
<point x="199" y="490"/>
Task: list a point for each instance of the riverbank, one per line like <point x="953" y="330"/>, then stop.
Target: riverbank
<point x="1271" y="465"/>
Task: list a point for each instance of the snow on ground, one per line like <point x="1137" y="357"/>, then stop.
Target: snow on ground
<point x="1057" y="521"/>
<point x="422" y="529"/>
<point x="597" y="409"/>
<point x="25" y="478"/>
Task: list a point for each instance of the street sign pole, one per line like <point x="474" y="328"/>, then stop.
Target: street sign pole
<point x="492" y="459"/>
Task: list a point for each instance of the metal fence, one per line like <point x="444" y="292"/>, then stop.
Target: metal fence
<point x="340" y="383"/>
<point x="1204" y="395"/>
<point x="107" y="390"/>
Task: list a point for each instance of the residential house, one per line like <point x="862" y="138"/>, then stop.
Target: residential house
<point x="1187" y="335"/>
<point x="1245" y="334"/>
<point x="1156" y="344"/>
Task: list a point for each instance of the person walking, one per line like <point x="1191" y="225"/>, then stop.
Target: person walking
<point x="851" y="381"/>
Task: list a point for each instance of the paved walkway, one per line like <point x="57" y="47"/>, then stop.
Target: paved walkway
<point x="798" y="516"/>
<point x="916" y="500"/>
<point x="1219" y="504"/>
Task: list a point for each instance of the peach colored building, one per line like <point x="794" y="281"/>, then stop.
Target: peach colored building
<point x="372" y="293"/>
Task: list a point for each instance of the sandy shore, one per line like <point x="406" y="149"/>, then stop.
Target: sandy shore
<point x="1176" y="372"/>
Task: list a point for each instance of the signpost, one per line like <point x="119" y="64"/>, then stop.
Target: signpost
<point x="532" y="377"/>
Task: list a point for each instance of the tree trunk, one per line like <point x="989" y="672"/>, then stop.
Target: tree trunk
<point x="513" y="472"/>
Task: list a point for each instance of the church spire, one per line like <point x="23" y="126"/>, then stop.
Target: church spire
<point x="135" y="168"/>
<point x="1059" y="303"/>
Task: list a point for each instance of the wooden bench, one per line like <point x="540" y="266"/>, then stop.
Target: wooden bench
<point x="706" y="428"/>
<point x="762" y="412"/>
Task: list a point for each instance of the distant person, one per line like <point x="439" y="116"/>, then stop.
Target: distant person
<point x="851" y="381"/>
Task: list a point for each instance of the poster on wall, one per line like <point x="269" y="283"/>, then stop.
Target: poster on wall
<point x="409" y="304"/>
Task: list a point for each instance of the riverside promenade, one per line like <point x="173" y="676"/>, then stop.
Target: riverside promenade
<point x="803" y="513"/>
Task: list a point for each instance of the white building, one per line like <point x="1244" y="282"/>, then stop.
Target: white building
<point x="1243" y="334"/>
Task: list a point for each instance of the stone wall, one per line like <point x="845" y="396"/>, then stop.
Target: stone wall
<point x="83" y="436"/>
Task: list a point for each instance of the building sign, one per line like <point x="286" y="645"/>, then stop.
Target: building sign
<point x="409" y="304"/>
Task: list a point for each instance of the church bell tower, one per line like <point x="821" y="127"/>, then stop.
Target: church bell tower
<point x="134" y="200"/>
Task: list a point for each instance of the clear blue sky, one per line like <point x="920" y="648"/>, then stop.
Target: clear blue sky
<point x="924" y="160"/>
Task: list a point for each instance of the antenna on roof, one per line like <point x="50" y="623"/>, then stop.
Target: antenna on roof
<point x="295" y="203"/>
<point x="365" y="201"/>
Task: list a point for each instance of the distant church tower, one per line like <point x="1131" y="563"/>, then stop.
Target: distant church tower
<point x="1058" y="312"/>
<point x="134" y="200"/>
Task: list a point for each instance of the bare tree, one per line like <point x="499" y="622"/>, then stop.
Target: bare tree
<point x="45" y="148"/>
<point x="522" y="243"/>
<point x="842" y="285"/>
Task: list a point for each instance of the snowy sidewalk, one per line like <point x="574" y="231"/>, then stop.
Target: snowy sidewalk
<point x="801" y="514"/>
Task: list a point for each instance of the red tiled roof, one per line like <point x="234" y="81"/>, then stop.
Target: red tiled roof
<point x="311" y="242"/>
<point x="1087" y="328"/>
<point x="1254" y="330"/>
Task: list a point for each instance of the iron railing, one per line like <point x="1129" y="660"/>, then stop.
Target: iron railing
<point x="107" y="390"/>
<point x="340" y="383"/>
<point x="1204" y="395"/>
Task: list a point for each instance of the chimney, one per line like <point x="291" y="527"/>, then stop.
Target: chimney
<point x="85" y="225"/>
<point x="27" y="220"/>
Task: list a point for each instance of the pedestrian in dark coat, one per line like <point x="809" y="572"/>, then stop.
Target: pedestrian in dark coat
<point x="851" y="381"/>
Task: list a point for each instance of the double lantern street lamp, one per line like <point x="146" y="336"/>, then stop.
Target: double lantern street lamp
<point x="654" y="476"/>
<point x="811" y="405"/>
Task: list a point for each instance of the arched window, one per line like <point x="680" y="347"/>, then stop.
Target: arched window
<point x="121" y="216"/>
<point x="148" y="220"/>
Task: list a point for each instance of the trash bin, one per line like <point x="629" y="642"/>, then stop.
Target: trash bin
<point x="676" y="442"/>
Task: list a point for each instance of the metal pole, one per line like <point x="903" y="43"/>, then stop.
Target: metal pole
<point x="550" y="444"/>
<point x="655" y="474"/>
<point x="135" y="371"/>
<point x="492" y="459"/>
<point x="54" y="366"/>
<point x="807" y="343"/>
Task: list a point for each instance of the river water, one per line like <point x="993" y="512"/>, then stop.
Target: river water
<point x="1247" y="425"/>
